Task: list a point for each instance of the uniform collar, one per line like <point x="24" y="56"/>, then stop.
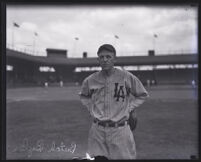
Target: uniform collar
<point x="104" y="74"/>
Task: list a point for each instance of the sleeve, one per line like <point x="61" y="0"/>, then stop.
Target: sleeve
<point x="85" y="95"/>
<point x="139" y="93"/>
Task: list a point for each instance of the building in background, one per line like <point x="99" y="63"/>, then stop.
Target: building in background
<point x="57" y="68"/>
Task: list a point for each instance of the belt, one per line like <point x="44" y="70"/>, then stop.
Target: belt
<point x="110" y="123"/>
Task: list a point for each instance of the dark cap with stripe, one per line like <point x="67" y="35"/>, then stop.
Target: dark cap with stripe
<point x="107" y="47"/>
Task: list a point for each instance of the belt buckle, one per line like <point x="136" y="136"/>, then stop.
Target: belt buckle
<point x="106" y="124"/>
<point x="115" y="125"/>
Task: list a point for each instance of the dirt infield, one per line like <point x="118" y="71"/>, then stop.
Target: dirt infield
<point x="51" y="123"/>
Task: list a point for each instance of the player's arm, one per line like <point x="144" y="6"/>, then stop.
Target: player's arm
<point x="138" y="95"/>
<point x="84" y="94"/>
<point x="132" y="121"/>
<point x="138" y="92"/>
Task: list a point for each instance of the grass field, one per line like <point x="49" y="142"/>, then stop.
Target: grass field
<point x="51" y="123"/>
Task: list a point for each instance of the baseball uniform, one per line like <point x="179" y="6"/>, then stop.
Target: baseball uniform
<point x="110" y="99"/>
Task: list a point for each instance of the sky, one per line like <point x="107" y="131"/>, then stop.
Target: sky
<point x="131" y="29"/>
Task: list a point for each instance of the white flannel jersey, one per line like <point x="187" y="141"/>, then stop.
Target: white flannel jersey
<point x="113" y="97"/>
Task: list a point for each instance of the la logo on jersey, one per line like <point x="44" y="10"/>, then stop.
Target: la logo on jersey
<point x="119" y="92"/>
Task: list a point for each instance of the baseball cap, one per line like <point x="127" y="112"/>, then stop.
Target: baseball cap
<point x="107" y="47"/>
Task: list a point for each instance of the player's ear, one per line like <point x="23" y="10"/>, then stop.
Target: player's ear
<point x="115" y="58"/>
<point x="98" y="59"/>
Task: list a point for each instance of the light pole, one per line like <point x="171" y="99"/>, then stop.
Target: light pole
<point x="153" y="81"/>
<point x="154" y="41"/>
<point x="34" y="42"/>
<point x="76" y="39"/>
<point x="15" y="25"/>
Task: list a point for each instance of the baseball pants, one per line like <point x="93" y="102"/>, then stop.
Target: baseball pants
<point x="111" y="142"/>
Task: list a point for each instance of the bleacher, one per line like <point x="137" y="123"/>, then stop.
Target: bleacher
<point x="26" y="69"/>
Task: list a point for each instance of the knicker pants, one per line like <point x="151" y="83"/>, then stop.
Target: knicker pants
<point x="111" y="142"/>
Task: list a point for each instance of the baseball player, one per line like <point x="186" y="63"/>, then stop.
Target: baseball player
<point x="111" y="96"/>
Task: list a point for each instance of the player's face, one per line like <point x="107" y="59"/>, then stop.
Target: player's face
<point x="106" y="60"/>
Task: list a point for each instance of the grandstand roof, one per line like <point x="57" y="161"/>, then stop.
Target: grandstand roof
<point x="89" y="62"/>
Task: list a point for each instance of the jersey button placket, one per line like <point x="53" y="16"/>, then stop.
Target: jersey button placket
<point x="107" y="97"/>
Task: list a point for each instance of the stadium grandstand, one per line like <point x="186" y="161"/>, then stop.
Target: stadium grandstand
<point x="25" y="69"/>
